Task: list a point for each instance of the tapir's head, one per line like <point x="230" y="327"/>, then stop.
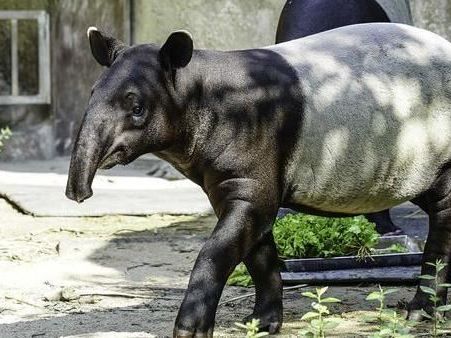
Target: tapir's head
<point x="132" y="108"/>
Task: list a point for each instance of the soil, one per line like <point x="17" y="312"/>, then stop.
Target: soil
<point x="124" y="276"/>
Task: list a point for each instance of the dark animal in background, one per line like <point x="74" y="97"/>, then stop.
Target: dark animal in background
<point x="372" y="101"/>
<point x="300" y="18"/>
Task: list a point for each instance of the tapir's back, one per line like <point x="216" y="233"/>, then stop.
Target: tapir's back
<point x="376" y="116"/>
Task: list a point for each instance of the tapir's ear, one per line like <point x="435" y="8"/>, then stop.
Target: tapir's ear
<point x="177" y="50"/>
<point x="104" y="48"/>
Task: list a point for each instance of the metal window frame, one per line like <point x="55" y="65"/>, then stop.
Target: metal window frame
<point x="43" y="96"/>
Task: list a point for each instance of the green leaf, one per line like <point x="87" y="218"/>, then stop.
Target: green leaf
<point x="425" y="314"/>
<point x="429" y="277"/>
<point x="329" y="324"/>
<point x="241" y="325"/>
<point x="240" y="277"/>
<point x="385" y="332"/>
<point x="443" y="308"/>
<point x="309" y="294"/>
<point x="309" y="315"/>
<point x="330" y="300"/>
<point x="321" y="291"/>
<point x="315" y="323"/>
<point x="306" y="333"/>
<point x="428" y="290"/>
<point x="320" y="308"/>
<point x="374" y="296"/>
<point x="389" y="291"/>
<point x="434" y="298"/>
<point x="445" y="285"/>
<point x="305" y="236"/>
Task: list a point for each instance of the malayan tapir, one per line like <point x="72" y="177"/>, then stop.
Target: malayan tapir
<point x="300" y="18"/>
<point x="352" y="120"/>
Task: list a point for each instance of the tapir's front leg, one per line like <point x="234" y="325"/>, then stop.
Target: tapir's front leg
<point x="242" y="223"/>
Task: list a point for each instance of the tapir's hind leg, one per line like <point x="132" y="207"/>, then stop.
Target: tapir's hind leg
<point x="437" y="204"/>
<point x="384" y="224"/>
<point x="263" y="265"/>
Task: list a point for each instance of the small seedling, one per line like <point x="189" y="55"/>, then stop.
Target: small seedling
<point x="380" y="297"/>
<point x="390" y="324"/>
<point x="251" y="329"/>
<point x="437" y="310"/>
<point x="394" y="327"/>
<point x="5" y="134"/>
<point x="319" y="324"/>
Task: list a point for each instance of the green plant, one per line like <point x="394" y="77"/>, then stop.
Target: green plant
<point x="437" y="310"/>
<point x="380" y="297"/>
<point x="319" y="323"/>
<point x="306" y="236"/>
<point x="251" y="329"/>
<point x="300" y="235"/>
<point x="240" y="277"/>
<point x="390" y="324"/>
<point x="5" y="134"/>
<point x="397" y="248"/>
<point x="394" y="327"/>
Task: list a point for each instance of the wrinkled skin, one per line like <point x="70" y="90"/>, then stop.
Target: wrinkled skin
<point x="300" y="18"/>
<point x="244" y="127"/>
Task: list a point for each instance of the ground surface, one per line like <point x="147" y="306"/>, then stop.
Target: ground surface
<point x="125" y="274"/>
<point x="144" y="187"/>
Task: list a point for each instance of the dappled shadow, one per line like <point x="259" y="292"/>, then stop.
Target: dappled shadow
<point x="376" y="118"/>
<point x="347" y="121"/>
<point x="159" y="256"/>
<point x="153" y="264"/>
<point x="155" y="316"/>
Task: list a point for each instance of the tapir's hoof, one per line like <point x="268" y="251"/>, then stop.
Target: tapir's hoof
<point x="180" y="333"/>
<point x="270" y="325"/>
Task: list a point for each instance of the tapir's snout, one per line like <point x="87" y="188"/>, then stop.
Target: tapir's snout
<point x="78" y="193"/>
<point x="86" y="155"/>
<point x="81" y="174"/>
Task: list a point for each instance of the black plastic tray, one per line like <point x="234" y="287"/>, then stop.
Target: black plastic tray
<point x="379" y="268"/>
<point x="389" y="275"/>
<point x="353" y="262"/>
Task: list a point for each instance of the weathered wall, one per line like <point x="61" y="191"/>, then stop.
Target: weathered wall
<point x="74" y="70"/>
<point x="234" y="24"/>
<point x="32" y="124"/>
<point x="433" y="15"/>
<point x="219" y="24"/>
<point x="42" y="131"/>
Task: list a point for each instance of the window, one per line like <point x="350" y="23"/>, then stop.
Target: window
<point x="25" y="65"/>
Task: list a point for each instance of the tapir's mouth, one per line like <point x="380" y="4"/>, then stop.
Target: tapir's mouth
<point x="113" y="158"/>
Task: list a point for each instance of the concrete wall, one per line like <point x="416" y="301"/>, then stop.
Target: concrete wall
<point x="433" y="15"/>
<point x="219" y="24"/>
<point x="43" y="131"/>
<point x="74" y="69"/>
<point x="32" y="124"/>
<point x="46" y="130"/>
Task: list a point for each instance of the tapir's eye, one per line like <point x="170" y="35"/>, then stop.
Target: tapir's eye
<point x="138" y="111"/>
